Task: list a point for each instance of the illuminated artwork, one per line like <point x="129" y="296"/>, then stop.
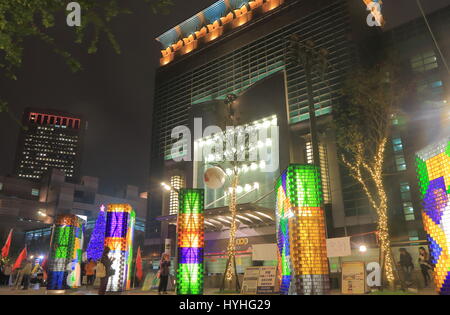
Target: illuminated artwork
<point x="65" y="253"/>
<point x="118" y="237"/>
<point x="433" y="169"/>
<point x="190" y="242"/>
<point x="96" y="244"/>
<point x="302" y="251"/>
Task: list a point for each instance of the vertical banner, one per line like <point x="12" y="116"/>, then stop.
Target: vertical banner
<point x="63" y="249"/>
<point x="433" y="170"/>
<point x="301" y="231"/>
<point x="191" y="242"/>
<point x="117" y="236"/>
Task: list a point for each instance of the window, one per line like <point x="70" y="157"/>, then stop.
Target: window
<point x="413" y="235"/>
<point x="408" y="210"/>
<point x="400" y="161"/>
<point x="35" y="192"/>
<point x="1" y="186"/>
<point x="424" y="62"/>
<point x="405" y="191"/>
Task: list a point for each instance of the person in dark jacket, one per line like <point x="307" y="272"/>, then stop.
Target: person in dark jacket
<point x="107" y="262"/>
<point x="406" y="264"/>
<point x="164" y="270"/>
<point x="425" y="265"/>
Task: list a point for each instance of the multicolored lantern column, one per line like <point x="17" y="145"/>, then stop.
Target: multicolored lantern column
<point x="118" y="221"/>
<point x="191" y="242"/>
<point x="74" y="276"/>
<point x="64" y="247"/>
<point x="130" y="238"/>
<point x="433" y="169"/>
<point x="301" y="231"/>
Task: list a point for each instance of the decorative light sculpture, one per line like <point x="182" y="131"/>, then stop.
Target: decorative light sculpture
<point x="74" y="276"/>
<point x="190" y="242"/>
<point x="118" y="218"/>
<point x="63" y="249"/>
<point x="301" y="231"/>
<point x="433" y="169"/>
<point x="283" y="219"/>
<point x="130" y="238"/>
<point x="96" y="244"/>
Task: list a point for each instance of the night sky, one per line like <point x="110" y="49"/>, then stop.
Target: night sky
<point x="115" y="92"/>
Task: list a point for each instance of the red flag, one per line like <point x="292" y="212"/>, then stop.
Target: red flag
<point x="20" y="259"/>
<point x="139" y="264"/>
<point x="5" y="249"/>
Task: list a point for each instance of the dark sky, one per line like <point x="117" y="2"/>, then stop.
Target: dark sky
<point x="115" y="92"/>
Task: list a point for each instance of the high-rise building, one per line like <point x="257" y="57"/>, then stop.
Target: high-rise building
<point x="234" y="47"/>
<point x="49" y="139"/>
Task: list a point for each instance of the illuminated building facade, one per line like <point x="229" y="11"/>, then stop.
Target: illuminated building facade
<point x="250" y="60"/>
<point x="119" y="227"/>
<point x="191" y="242"/>
<point x="433" y="170"/>
<point x="52" y="139"/>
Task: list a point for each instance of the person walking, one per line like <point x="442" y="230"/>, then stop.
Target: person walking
<point x="90" y="271"/>
<point x="406" y="264"/>
<point x="164" y="271"/>
<point x="104" y="270"/>
<point x="425" y="265"/>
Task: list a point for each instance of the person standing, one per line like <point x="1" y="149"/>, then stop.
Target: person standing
<point x="164" y="271"/>
<point x="406" y="264"/>
<point x="90" y="271"/>
<point x="26" y="274"/>
<point x="7" y="271"/>
<point x="104" y="270"/>
<point x="425" y="265"/>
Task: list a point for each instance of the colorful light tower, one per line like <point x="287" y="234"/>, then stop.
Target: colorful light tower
<point x="118" y="237"/>
<point x="191" y="242"/>
<point x="64" y="252"/>
<point x="433" y="169"/>
<point x="301" y="231"/>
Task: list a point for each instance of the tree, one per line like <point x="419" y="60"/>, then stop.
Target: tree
<point x="96" y="244"/>
<point x="362" y="121"/>
<point x="20" y="20"/>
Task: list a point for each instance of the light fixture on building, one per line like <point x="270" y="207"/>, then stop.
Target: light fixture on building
<point x="362" y="248"/>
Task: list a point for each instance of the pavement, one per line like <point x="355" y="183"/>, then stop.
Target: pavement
<point x="213" y="291"/>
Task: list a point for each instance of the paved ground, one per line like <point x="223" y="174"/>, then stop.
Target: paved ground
<point x="90" y="291"/>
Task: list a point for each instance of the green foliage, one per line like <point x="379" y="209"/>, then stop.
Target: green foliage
<point x="23" y="19"/>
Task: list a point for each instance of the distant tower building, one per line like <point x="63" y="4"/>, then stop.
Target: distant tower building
<point x="51" y="139"/>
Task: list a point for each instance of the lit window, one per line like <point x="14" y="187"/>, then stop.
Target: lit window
<point x="35" y="192"/>
<point x="424" y="61"/>
<point x="413" y="235"/>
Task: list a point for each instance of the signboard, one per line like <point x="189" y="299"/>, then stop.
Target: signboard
<point x="260" y="280"/>
<point x="353" y="277"/>
<point x="250" y="283"/>
<point x="264" y="252"/>
<point x="339" y="247"/>
<point x="267" y="280"/>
